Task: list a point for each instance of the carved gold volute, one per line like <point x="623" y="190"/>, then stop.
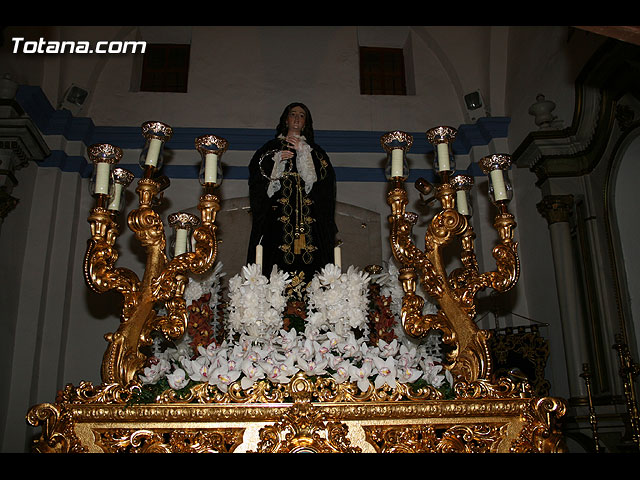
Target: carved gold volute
<point x="454" y="292"/>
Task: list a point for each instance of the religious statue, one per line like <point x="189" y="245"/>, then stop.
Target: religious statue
<point x="292" y="191"/>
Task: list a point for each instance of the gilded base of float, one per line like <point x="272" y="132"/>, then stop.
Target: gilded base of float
<point x="103" y="422"/>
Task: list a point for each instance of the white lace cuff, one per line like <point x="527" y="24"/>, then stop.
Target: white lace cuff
<point x="276" y="173"/>
<point x="304" y="164"/>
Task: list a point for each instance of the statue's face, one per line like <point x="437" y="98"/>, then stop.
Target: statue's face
<point x="296" y="120"/>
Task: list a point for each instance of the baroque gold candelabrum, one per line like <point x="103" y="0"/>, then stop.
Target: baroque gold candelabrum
<point x="454" y="292"/>
<point x="165" y="277"/>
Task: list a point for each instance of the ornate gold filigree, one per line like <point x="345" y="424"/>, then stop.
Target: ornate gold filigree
<point x="157" y="130"/>
<point x="398" y="139"/>
<point x="502" y="387"/>
<point x="84" y="421"/>
<point x="305" y="428"/>
<point x="121" y="440"/>
<point x="301" y="387"/>
<point x="56" y="434"/>
<point x="206" y="143"/>
<point x="104" y="394"/>
<point x="441" y="134"/>
<point x="540" y="432"/>
<point x="524" y="349"/>
<point x="474" y="438"/>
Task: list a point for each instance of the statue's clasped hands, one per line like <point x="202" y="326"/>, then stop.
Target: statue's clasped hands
<point x="294" y="142"/>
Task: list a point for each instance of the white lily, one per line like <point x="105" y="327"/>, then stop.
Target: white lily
<point x="312" y="332"/>
<point x="360" y="375"/>
<point x="275" y="374"/>
<point x="287" y="340"/>
<point x="306" y="349"/>
<point x="211" y="351"/>
<point x="252" y="373"/>
<point x="407" y="374"/>
<point x="156" y="371"/>
<point x="388" y="349"/>
<point x="223" y="376"/>
<point x="432" y="374"/>
<point x="407" y="356"/>
<point x="335" y="360"/>
<point x="386" y="372"/>
<point x="178" y="379"/>
<point x="349" y="347"/>
<point x="323" y="349"/>
<point x="197" y="369"/>
<point x="287" y="368"/>
<point x="313" y="367"/>
<point x="333" y="340"/>
<point x="342" y="373"/>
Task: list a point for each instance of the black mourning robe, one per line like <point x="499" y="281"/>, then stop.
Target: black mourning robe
<point x="274" y="218"/>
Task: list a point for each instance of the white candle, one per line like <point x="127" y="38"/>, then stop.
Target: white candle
<point x="443" y="157"/>
<point x="153" y="153"/>
<point x="211" y="168"/>
<point x="337" y="257"/>
<point x="499" y="187"/>
<point x="461" y="202"/>
<point x="181" y="242"/>
<point x="259" y="255"/>
<point x="102" y="178"/>
<point x="115" y="201"/>
<point x="397" y="169"/>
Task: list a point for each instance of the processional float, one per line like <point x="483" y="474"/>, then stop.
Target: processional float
<point x="307" y="414"/>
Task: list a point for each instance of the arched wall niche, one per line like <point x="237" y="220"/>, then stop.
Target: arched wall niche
<point x="623" y="230"/>
<point x="359" y="229"/>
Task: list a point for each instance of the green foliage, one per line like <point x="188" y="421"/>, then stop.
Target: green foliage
<point x="149" y="393"/>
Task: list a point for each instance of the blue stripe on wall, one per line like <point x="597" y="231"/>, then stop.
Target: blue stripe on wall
<point x="61" y="122"/>
<point x="59" y="159"/>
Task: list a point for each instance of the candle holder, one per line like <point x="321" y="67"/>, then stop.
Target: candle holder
<point x="121" y="178"/>
<point x="463" y="184"/>
<point x="163" y="282"/>
<point x="182" y="224"/>
<point x="442" y="138"/>
<point x="103" y="156"/>
<point x="454" y="292"/>
<point x="629" y="369"/>
<point x="593" y="419"/>
<point x="156" y="135"/>
<point x="211" y="149"/>
<point x="396" y="144"/>
<point x="496" y="167"/>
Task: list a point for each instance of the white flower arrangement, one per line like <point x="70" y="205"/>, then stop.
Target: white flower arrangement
<point x="256" y="304"/>
<point x="337" y="301"/>
<point x="210" y="282"/>
<point x="334" y="342"/>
